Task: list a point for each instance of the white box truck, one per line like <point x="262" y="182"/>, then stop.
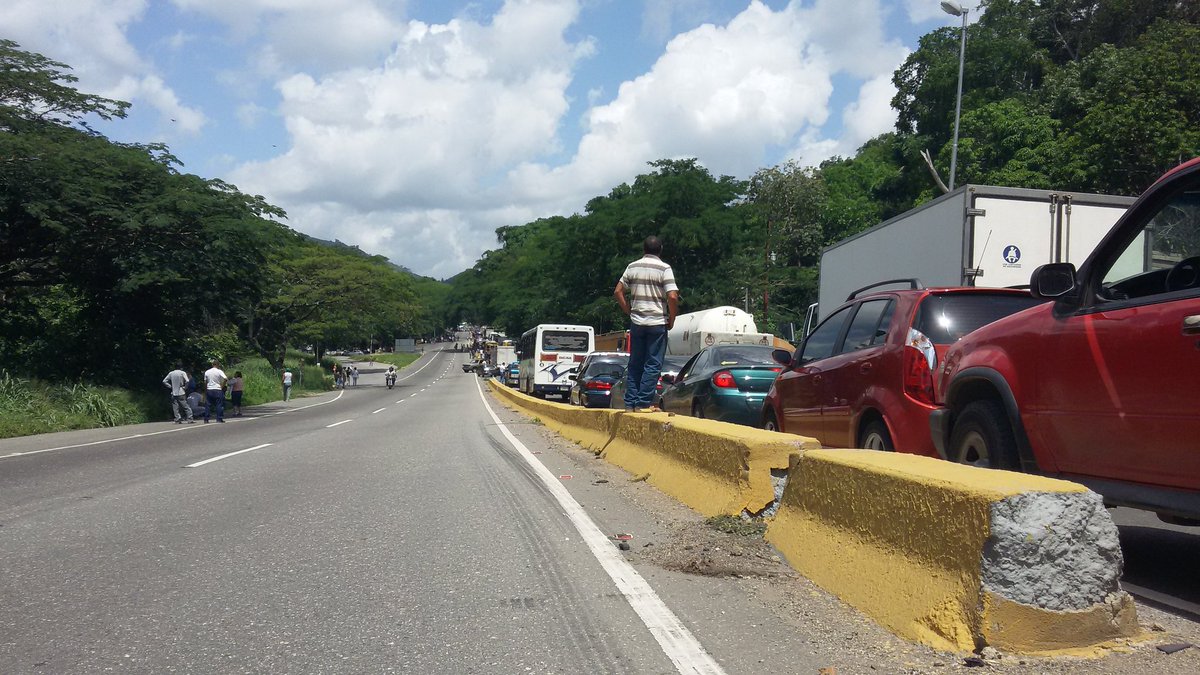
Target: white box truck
<point x="719" y="325"/>
<point x="975" y="235"/>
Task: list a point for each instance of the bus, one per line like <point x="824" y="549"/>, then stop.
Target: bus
<point x="548" y="353"/>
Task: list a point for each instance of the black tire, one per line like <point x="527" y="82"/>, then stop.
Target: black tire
<point x="875" y="436"/>
<point x="697" y="409"/>
<point x="769" y="422"/>
<point x="983" y="436"/>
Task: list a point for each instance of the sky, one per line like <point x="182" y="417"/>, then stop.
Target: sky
<point x="414" y="128"/>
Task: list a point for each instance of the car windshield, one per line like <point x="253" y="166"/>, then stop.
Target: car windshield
<point x="944" y="318"/>
<point x="742" y="355"/>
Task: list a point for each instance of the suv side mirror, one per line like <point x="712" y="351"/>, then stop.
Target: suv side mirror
<point x="782" y="356"/>
<point x="1053" y="280"/>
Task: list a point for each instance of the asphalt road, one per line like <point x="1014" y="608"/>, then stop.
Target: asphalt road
<point x="369" y="530"/>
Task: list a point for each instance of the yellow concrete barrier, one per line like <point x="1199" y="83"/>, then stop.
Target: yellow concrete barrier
<point x="954" y="556"/>
<point x="713" y="467"/>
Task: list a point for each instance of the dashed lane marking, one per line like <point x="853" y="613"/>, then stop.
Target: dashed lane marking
<point x="330" y="426"/>
<point x="228" y="454"/>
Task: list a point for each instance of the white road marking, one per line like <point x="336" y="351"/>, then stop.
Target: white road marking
<point x="677" y="642"/>
<point x="228" y="454"/>
<point x="330" y="426"/>
<point x="378" y="411"/>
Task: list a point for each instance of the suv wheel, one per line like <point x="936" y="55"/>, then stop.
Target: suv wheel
<point x="982" y="436"/>
<point x="769" y="422"/>
<point x="875" y="436"/>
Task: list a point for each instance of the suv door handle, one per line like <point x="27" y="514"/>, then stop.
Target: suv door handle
<point x="865" y="368"/>
<point x="1191" y="325"/>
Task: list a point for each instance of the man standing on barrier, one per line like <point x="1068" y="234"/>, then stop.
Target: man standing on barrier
<point x="652" y="304"/>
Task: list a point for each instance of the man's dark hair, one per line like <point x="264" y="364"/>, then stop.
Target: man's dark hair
<point x="652" y="245"/>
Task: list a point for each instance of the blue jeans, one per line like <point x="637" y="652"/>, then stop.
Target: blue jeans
<point x="647" y="345"/>
<point x="216" y="403"/>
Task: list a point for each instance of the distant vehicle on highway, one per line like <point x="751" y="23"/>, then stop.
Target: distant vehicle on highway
<point x="723" y="382"/>
<point x="592" y="384"/>
<point x="511" y="374"/>
<point x="1099" y="385"/>
<point x="548" y="353"/>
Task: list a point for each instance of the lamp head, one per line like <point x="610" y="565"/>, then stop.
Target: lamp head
<point x="953" y="8"/>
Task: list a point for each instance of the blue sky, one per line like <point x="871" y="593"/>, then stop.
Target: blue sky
<point x="415" y="129"/>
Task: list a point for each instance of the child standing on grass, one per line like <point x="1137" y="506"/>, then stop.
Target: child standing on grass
<point x="236" y="386"/>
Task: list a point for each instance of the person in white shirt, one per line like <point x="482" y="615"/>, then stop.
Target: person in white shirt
<point x="647" y="292"/>
<point x="177" y="381"/>
<point x="287" y="384"/>
<point x="214" y="385"/>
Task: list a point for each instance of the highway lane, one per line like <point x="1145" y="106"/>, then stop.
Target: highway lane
<point x="381" y="531"/>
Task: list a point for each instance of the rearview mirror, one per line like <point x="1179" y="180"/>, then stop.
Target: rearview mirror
<point x="782" y="356"/>
<point x="668" y="379"/>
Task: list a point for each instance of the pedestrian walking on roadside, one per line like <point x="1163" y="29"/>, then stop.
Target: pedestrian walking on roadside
<point x="177" y="381"/>
<point x="652" y="304"/>
<point x="214" y="385"/>
<point x="354" y="375"/>
<point x="287" y="383"/>
<point x="236" y="386"/>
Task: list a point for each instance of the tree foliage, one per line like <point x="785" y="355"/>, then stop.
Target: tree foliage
<point x="114" y="264"/>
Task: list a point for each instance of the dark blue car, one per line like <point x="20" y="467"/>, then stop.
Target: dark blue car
<point x="592" y="383"/>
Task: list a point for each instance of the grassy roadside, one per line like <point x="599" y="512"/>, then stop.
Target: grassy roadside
<point x="36" y="407"/>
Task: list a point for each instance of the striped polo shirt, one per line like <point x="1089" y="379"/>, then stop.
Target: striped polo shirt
<point x="648" y="281"/>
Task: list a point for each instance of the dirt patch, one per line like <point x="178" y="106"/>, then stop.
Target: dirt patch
<point x="710" y="548"/>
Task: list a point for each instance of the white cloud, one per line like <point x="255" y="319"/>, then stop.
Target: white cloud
<point x="419" y="144"/>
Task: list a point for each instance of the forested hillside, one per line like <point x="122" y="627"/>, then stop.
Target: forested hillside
<point x="1083" y="95"/>
<point x="114" y="264"/>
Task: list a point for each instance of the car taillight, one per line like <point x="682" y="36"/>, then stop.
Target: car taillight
<point x="724" y="380"/>
<point x="920" y="359"/>
<point x="595" y="384"/>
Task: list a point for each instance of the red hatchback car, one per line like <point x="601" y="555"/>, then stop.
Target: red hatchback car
<point x="864" y="377"/>
<point x="1100" y="385"/>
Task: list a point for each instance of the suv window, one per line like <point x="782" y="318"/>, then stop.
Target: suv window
<point x="820" y="343"/>
<point x="944" y="318"/>
<point x="867" y="329"/>
<point x="1170" y="237"/>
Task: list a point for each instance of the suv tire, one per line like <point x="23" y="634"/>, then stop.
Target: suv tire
<point x="769" y="422"/>
<point x="875" y="436"/>
<point x="982" y="436"/>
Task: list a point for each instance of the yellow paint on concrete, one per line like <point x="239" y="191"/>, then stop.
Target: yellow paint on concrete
<point x="714" y="468"/>
<point x="901" y="538"/>
<point x="1011" y="626"/>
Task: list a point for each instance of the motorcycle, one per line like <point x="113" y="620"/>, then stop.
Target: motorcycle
<point x="390" y="378"/>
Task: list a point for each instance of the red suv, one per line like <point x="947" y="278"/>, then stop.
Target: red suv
<point x="1100" y="385"/>
<point x="864" y="377"/>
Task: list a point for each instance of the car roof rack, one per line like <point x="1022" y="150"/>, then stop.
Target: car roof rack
<point x="914" y="284"/>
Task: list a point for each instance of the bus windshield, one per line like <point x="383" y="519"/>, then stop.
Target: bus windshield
<point x="564" y="341"/>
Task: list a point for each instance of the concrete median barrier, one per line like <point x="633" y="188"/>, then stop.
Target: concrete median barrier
<point x="954" y="556"/>
<point x="713" y="467"/>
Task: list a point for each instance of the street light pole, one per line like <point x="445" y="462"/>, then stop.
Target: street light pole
<point x="957" y="10"/>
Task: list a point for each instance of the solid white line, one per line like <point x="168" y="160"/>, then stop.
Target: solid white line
<point x="230" y="454"/>
<point x="677" y="642"/>
<point x="330" y="426"/>
<point x="378" y="411"/>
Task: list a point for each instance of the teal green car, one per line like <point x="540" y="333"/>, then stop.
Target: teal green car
<point x="723" y="382"/>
